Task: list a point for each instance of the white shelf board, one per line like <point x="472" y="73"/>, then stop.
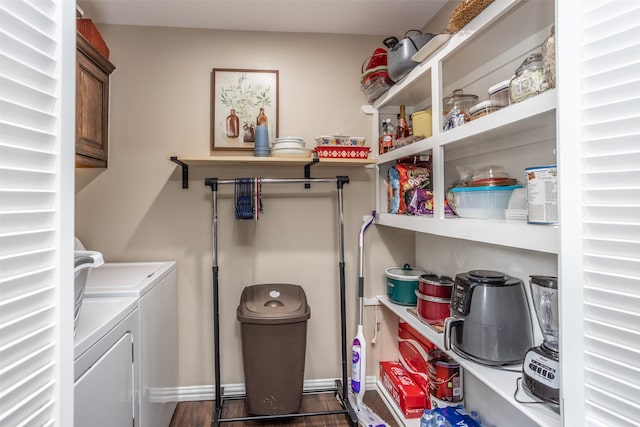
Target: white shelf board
<point x="416" y="84"/>
<point x="515" y="234"/>
<point x="501" y="381"/>
<point x="509" y="123"/>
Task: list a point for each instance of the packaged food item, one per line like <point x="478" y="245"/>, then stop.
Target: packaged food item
<point x="445" y="377"/>
<point x="542" y="194"/>
<point x="413" y="351"/>
<point x="421" y="202"/>
<point x="408" y="395"/>
<point x="457" y="416"/>
<point x="404" y="180"/>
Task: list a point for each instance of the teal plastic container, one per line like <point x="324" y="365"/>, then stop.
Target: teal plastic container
<point x="402" y="283"/>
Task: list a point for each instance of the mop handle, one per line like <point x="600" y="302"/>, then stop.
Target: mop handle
<point x="367" y="221"/>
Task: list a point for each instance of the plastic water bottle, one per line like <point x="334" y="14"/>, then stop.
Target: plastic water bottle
<point x="476" y="417"/>
<point x="440" y="421"/>
<point x="427" y="419"/>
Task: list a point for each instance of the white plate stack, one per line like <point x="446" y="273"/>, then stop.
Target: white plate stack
<point x="290" y="146"/>
<point x="517" y="208"/>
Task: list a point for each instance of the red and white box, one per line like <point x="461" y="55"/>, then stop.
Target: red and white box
<point x="404" y="391"/>
<point x="414" y="354"/>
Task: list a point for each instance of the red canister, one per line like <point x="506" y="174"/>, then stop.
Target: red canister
<point x="433" y="310"/>
<point x="434" y="285"/>
<point x="445" y="377"/>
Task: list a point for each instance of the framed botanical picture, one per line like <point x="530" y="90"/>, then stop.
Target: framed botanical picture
<point x="239" y="99"/>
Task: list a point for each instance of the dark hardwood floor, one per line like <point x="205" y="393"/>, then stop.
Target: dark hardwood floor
<point x="199" y="414"/>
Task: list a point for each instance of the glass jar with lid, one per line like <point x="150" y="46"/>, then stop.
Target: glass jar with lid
<point x="549" y="58"/>
<point x="455" y="108"/>
<point x="529" y="79"/>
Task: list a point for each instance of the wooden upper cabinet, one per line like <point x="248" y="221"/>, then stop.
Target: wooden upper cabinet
<point x="92" y="105"/>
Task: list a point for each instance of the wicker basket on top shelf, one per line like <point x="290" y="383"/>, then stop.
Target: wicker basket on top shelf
<point x="465" y="12"/>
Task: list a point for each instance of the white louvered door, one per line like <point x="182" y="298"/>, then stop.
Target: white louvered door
<point x="599" y="134"/>
<point x="37" y="121"/>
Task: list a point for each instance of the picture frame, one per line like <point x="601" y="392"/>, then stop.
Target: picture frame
<point x="244" y="91"/>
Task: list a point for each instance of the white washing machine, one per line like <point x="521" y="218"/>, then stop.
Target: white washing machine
<point x="105" y="359"/>
<point x="153" y="286"/>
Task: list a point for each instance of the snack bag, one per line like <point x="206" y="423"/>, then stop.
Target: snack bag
<point x="393" y="191"/>
<point x="413" y="176"/>
<point x="421" y="202"/>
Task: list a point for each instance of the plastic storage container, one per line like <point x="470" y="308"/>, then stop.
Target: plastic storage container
<point x="499" y="93"/>
<point x="421" y="123"/>
<point x="483" y="108"/>
<point x="482" y="202"/>
<point x="273" y="325"/>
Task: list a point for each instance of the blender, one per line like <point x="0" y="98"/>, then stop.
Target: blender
<point x="541" y="366"/>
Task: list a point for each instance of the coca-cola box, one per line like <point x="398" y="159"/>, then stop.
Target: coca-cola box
<point x="405" y="392"/>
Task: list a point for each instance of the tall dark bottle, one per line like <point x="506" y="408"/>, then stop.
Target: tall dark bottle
<point x="261" y="119"/>
<point x="233" y="124"/>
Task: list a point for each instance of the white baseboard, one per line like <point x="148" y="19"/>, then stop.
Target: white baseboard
<point x="208" y="392"/>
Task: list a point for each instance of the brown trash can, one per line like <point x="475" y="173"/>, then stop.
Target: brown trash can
<point x="273" y="324"/>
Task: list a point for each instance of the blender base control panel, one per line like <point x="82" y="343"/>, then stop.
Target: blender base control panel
<point x="542" y="368"/>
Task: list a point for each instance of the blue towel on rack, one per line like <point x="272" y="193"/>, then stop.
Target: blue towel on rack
<point x="244" y="198"/>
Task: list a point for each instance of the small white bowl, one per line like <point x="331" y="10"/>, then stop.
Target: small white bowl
<point x="288" y="144"/>
<point x="290" y="152"/>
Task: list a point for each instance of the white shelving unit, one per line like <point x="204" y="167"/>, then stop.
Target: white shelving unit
<point x="487" y="51"/>
<point x="502" y="381"/>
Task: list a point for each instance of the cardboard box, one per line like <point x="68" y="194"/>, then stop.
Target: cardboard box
<point x="404" y="391"/>
<point x="414" y="354"/>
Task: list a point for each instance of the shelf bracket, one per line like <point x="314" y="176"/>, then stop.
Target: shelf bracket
<point x="185" y="171"/>
<point x="307" y="170"/>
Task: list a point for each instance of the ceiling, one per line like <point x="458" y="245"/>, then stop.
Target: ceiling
<point x="365" y="17"/>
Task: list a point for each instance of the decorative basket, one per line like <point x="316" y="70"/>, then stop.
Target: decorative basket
<point x="342" y="152"/>
<point x="465" y="12"/>
<point x="87" y="28"/>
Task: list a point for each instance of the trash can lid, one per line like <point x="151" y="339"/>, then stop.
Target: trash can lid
<point x="273" y="303"/>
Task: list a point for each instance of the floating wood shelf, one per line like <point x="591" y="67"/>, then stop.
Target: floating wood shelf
<point x="306" y="162"/>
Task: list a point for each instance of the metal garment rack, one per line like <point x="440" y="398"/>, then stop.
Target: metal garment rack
<point x="341" y="388"/>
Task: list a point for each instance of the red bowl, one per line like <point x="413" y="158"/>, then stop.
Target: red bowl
<point x="432" y="310"/>
<point x="434" y="285"/>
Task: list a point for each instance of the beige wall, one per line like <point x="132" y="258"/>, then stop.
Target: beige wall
<point x="136" y="209"/>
